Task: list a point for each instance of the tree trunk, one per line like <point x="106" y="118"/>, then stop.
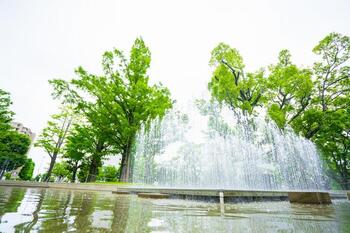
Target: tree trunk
<point x="95" y="163"/>
<point x="52" y="164"/>
<point x="93" y="170"/>
<point x="74" y="175"/>
<point x="125" y="174"/>
<point x="126" y="164"/>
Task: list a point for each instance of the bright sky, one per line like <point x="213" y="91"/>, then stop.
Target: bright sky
<point x="41" y="40"/>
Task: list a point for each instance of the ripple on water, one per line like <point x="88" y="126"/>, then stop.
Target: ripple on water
<point x="50" y="210"/>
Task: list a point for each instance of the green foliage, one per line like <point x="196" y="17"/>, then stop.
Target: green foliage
<point x="230" y="85"/>
<point x="13" y="150"/>
<point x="315" y="103"/>
<point x="27" y="170"/>
<point x="13" y="145"/>
<point x="8" y="175"/>
<point x="333" y="138"/>
<point x="79" y="146"/>
<point x="108" y="173"/>
<point x="120" y="102"/>
<point x="53" y="137"/>
<point x="5" y="113"/>
<point x="60" y="170"/>
<point x="333" y="72"/>
<point x="328" y="123"/>
<point x="83" y="172"/>
<point x="277" y="115"/>
<point x="289" y="90"/>
<point x="309" y="122"/>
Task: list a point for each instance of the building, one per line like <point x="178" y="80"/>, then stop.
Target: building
<point x="22" y="129"/>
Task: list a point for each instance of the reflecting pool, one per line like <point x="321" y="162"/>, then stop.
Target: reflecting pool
<point x="56" y="210"/>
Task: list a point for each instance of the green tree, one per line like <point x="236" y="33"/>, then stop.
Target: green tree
<point x="230" y="85"/>
<point x="60" y="170"/>
<point x="334" y="141"/>
<point x="13" y="149"/>
<point x="84" y="172"/>
<point x="289" y="90"/>
<point x="108" y="173"/>
<point x="27" y="170"/>
<point x="5" y="113"/>
<point x="89" y="143"/>
<point x="120" y="101"/>
<point x="8" y="175"/>
<point x="326" y="121"/>
<point x="79" y="147"/>
<point x="333" y="72"/>
<point x="53" y="137"/>
<point x="332" y="82"/>
<point x="315" y="103"/>
<point x="13" y="145"/>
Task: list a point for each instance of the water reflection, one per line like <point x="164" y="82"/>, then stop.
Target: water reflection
<point x="49" y="210"/>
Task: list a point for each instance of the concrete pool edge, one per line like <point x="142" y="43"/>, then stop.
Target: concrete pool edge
<point x="185" y="193"/>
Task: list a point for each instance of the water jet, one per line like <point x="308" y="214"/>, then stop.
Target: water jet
<point x="221" y="150"/>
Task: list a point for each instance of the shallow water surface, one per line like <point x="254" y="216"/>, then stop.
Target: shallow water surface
<point x="56" y="210"/>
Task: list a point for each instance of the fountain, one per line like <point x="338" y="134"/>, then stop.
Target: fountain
<point x="211" y="147"/>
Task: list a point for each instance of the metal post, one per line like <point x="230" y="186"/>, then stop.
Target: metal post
<point x="222" y="204"/>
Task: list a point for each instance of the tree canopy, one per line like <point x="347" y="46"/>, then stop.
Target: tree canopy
<point x="54" y="135"/>
<point x="60" y="170"/>
<point x="118" y="102"/>
<point x="313" y="101"/>
<point x="13" y="145"/>
<point x="230" y="85"/>
<point x="289" y="90"/>
<point x="13" y="150"/>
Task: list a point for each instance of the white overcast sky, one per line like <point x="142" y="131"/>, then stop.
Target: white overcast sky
<point x="41" y="40"/>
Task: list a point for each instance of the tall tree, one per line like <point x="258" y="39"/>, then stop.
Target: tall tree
<point x="54" y="136"/>
<point x="326" y="122"/>
<point x="289" y="90"/>
<point x="334" y="141"/>
<point x="315" y="103"/>
<point x="120" y="101"/>
<point x="325" y="117"/>
<point x="230" y="85"/>
<point x="75" y="151"/>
